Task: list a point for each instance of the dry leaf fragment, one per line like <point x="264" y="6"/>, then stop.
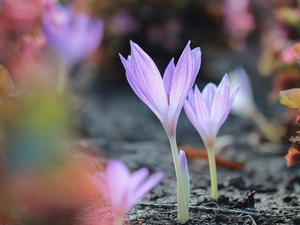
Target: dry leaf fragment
<point x="193" y="153"/>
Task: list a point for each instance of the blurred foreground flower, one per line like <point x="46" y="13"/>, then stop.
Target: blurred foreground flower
<point x="123" y="189"/>
<point x="165" y="97"/>
<point x="207" y="112"/>
<point x="245" y="107"/>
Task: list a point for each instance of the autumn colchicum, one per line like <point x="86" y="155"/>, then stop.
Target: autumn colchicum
<point x="208" y="111"/>
<point x="165" y="97"/>
<point x="123" y="189"/>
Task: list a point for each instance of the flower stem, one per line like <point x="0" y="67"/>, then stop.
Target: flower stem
<point x="62" y="78"/>
<point x="182" y="196"/>
<point x="213" y="172"/>
<point x="271" y="133"/>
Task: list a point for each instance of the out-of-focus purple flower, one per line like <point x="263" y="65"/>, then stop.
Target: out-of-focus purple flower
<point x="165" y="97"/>
<point x="243" y="104"/>
<point x="208" y="110"/>
<point x="123" y="189"/>
<point x="73" y="35"/>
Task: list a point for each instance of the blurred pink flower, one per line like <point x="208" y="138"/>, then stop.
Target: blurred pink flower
<point x="237" y="17"/>
<point x="287" y="55"/>
<point x="73" y="35"/>
<point x="123" y="189"/>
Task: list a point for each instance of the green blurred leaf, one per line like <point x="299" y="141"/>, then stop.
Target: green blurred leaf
<point x="290" y="98"/>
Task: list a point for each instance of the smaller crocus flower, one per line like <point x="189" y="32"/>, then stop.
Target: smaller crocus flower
<point x="123" y="189"/>
<point x="208" y="111"/>
<point x="73" y="35"/>
<point x="245" y="107"/>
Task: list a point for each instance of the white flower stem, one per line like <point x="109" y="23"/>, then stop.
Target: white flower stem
<point x="213" y="172"/>
<point x="62" y="78"/>
<point x="182" y="194"/>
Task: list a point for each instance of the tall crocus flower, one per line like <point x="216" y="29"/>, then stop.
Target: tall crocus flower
<point x="245" y="107"/>
<point x="165" y="97"/>
<point x="208" y="111"/>
<point x="123" y="189"/>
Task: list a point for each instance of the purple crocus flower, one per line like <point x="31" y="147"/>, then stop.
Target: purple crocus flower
<point x="123" y="189"/>
<point x="208" y="110"/>
<point x="164" y="96"/>
<point x="73" y="35"/>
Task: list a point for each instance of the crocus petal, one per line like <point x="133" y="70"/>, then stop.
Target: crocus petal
<point x="133" y="82"/>
<point x="149" y="78"/>
<point x="184" y="77"/>
<point x="116" y="186"/>
<point x="136" y="180"/>
<point x="203" y="115"/>
<point x="150" y="183"/>
<point x="196" y="52"/>
<point x="243" y="103"/>
<point x="208" y="94"/>
<point x="168" y="76"/>
<point x="123" y="189"/>
<point x="221" y="103"/>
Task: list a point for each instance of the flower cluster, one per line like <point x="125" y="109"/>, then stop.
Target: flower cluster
<point x="166" y="97"/>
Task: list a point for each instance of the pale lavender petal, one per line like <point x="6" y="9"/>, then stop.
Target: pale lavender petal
<point x="235" y="92"/>
<point x="244" y="81"/>
<point x="243" y="102"/>
<point x="168" y="76"/>
<point x="150" y="183"/>
<point x="149" y="78"/>
<point x="190" y="112"/>
<point x="221" y="104"/>
<point x="133" y="82"/>
<point x="196" y="52"/>
<point x="191" y="99"/>
<point x="183" y="80"/>
<point x="136" y="180"/>
<point x="208" y="94"/>
<point x="117" y="180"/>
